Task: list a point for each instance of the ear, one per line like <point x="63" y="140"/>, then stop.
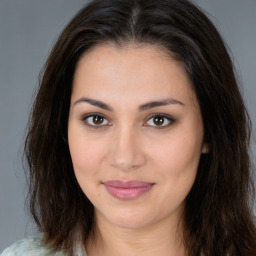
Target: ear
<point x="205" y="148"/>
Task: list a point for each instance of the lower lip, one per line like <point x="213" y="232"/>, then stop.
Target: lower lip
<point x="128" y="193"/>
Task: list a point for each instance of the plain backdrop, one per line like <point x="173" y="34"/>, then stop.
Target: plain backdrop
<point x="28" y="29"/>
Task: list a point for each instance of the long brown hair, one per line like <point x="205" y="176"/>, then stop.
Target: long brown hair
<point x="218" y="214"/>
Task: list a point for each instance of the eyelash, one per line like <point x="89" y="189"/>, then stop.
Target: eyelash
<point x="85" y="118"/>
<point x="169" y="119"/>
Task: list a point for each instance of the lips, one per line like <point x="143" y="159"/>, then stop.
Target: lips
<point x="127" y="190"/>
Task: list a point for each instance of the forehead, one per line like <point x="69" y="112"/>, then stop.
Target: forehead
<point x="138" y="55"/>
<point x="131" y="70"/>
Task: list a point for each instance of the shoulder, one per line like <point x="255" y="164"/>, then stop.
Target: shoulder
<point x="31" y="246"/>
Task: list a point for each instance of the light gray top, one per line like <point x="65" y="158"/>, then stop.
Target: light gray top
<point x="32" y="246"/>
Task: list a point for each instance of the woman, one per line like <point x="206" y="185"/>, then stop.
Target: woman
<point x="138" y="140"/>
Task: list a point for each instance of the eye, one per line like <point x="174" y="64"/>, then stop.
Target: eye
<point x="95" y="120"/>
<point x="160" y="121"/>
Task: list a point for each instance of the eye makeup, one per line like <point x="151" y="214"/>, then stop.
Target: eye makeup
<point x="97" y="120"/>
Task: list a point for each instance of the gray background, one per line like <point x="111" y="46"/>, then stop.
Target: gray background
<point x="28" y="29"/>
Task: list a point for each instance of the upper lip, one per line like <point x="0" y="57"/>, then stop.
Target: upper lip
<point x="127" y="184"/>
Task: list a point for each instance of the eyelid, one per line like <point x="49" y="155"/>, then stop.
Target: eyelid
<point x="86" y="116"/>
<point x="168" y="117"/>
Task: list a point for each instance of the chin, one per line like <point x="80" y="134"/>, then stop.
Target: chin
<point x="129" y="218"/>
<point x="131" y="223"/>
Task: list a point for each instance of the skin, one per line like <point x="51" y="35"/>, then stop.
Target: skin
<point x="130" y="144"/>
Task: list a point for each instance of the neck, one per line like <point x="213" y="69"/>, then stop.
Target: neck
<point x="162" y="238"/>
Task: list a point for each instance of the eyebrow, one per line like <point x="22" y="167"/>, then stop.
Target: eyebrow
<point x="159" y="103"/>
<point x="96" y="103"/>
<point x="141" y="108"/>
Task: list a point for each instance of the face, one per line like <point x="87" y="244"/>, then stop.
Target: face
<point x="135" y="134"/>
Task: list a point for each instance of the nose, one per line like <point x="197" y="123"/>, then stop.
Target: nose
<point x="126" y="150"/>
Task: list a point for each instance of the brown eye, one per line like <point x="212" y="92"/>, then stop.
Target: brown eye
<point x="160" y="121"/>
<point x="98" y="120"/>
<point x="95" y="120"/>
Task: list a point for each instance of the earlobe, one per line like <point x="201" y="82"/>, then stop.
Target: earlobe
<point x="205" y="148"/>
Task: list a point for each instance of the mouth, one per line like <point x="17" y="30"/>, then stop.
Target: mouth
<point x="127" y="190"/>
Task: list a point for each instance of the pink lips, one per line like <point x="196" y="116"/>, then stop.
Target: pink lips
<point x="127" y="190"/>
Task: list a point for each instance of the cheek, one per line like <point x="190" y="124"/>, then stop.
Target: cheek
<point x="86" y="157"/>
<point x="86" y="153"/>
<point x="177" y="156"/>
<point x="177" y="162"/>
